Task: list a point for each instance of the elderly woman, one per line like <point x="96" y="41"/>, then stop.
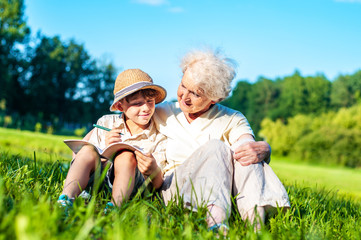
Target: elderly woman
<point x="211" y="152"/>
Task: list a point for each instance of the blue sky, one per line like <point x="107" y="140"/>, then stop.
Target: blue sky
<point x="270" y="38"/>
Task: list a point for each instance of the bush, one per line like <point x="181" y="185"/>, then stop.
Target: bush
<point x="37" y="127"/>
<point x="331" y="145"/>
<point x="333" y="137"/>
<point x="79" y="132"/>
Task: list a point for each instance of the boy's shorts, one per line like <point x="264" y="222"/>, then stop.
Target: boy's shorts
<point x="107" y="184"/>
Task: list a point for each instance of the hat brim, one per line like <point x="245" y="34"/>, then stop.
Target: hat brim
<point x="160" y="97"/>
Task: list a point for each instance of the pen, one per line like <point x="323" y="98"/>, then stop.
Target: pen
<point x="104" y="128"/>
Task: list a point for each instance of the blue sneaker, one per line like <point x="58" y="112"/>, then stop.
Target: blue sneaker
<point x="219" y="227"/>
<point x="65" y="202"/>
<point x="109" y="207"/>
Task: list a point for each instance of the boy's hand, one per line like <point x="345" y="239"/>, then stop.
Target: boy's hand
<point x="113" y="136"/>
<point x="147" y="164"/>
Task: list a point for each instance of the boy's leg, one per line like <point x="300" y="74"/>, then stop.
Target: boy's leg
<point x="85" y="162"/>
<point x="124" y="176"/>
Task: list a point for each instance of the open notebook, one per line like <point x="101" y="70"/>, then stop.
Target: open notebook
<point x="108" y="152"/>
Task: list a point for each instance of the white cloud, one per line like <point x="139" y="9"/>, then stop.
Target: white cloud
<point x="349" y="1"/>
<point x="152" y="2"/>
<point x="176" y="9"/>
<point x="160" y="3"/>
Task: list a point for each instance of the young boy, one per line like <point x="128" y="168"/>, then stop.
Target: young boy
<point x="135" y="96"/>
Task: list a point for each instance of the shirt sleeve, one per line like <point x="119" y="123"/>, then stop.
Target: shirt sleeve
<point x="238" y="127"/>
<point x="159" y="152"/>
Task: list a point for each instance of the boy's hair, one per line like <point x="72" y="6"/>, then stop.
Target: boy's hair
<point x="146" y="93"/>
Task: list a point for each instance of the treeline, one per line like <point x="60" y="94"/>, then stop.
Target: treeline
<point x="307" y="118"/>
<point x="289" y="96"/>
<point x="46" y="82"/>
<point x="330" y="138"/>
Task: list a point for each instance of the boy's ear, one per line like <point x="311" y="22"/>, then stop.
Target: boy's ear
<point x="118" y="106"/>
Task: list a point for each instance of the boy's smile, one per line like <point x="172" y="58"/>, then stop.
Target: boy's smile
<point x="138" y="111"/>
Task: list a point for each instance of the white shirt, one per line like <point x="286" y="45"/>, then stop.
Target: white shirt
<point x="183" y="138"/>
<point x="150" y="140"/>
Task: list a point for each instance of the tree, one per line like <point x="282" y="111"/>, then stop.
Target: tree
<point x="13" y="33"/>
<point x="262" y="100"/>
<point x="346" y="90"/>
<point x="239" y="99"/>
<point x="57" y="69"/>
<point x="98" y="89"/>
<point x="318" y="94"/>
<point x="293" y="97"/>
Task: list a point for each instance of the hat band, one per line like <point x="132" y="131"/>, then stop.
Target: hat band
<point x="131" y="88"/>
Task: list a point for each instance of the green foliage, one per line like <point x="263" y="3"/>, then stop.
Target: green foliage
<point x="50" y="130"/>
<point x="7" y="121"/>
<point x="282" y="98"/>
<point x="55" y="78"/>
<point x="13" y="32"/>
<point x="239" y="100"/>
<point x="332" y="138"/>
<point x="264" y="95"/>
<point x="38" y="127"/>
<point x="318" y="91"/>
<point x="60" y="66"/>
<point x="331" y="145"/>
<point x="80" y="132"/>
<point x="3" y="104"/>
<point x="346" y="90"/>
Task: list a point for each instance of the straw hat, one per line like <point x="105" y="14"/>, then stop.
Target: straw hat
<point x="132" y="80"/>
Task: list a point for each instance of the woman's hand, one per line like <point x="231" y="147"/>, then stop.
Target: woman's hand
<point x="113" y="136"/>
<point x="147" y="164"/>
<point x="252" y="152"/>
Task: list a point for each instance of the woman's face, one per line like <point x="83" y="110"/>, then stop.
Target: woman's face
<point x="191" y="97"/>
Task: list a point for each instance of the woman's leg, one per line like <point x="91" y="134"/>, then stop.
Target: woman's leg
<point x="204" y="178"/>
<point x="124" y="176"/>
<point x="85" y="162"/>
<point x="257" y="189"/>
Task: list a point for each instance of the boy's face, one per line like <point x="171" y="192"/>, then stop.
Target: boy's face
<point x="138" y="109"/>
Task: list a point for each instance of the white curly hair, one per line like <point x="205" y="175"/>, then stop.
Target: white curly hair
<point x="211" y="71"/>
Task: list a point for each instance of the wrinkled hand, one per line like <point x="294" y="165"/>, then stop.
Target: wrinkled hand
<point x="252" y="152"/>
<point x="113" y="136"/>
<point x="147" y="164"/>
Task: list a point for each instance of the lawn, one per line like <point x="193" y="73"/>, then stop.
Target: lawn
<point x="29" y="187"/>
<point x="343" y="180"/>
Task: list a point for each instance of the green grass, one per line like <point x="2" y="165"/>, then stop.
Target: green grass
<point x="28" y="210"/>
<point x="25" y="143"/>
<point x="343" y="180"/>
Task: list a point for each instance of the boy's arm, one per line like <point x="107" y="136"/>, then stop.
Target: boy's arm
<point x="158" y="179"/>
<point x="148" y="166"/>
